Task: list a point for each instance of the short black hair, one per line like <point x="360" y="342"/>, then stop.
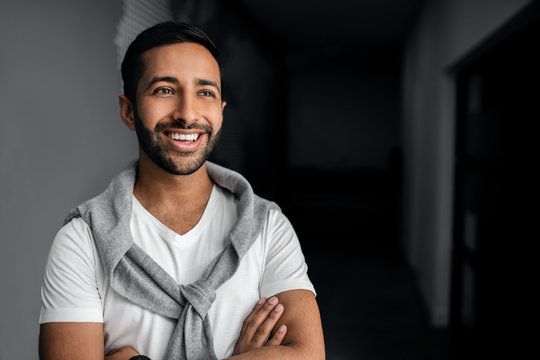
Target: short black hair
<point x="164" y="33"/>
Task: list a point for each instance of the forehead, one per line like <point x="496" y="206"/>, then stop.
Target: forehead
<point x="183" y="60"/>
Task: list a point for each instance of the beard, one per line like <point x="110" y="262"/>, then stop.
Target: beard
<point x="171" y="160"/>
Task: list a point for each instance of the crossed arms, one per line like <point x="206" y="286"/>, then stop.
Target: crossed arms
<point x="259" y="337"/>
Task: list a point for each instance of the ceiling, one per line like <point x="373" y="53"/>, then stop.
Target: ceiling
<point x="341" y="28"/>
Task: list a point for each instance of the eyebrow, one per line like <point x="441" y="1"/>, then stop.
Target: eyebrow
<point x="204" y="82"/>
<point x="157" y="79"/>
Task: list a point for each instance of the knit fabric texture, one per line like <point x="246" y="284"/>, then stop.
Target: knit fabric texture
<point x="134" y="275"/>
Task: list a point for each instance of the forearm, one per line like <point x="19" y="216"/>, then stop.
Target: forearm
<point x="281" y="352"/>
<point x="296" y="333"/>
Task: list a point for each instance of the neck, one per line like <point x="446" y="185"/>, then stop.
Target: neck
<point x="158" y="189"/>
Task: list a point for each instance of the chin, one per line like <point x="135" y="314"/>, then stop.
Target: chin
<point x="182" y="166"/>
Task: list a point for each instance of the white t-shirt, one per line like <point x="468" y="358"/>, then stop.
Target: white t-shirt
<point x="76" y="289"/>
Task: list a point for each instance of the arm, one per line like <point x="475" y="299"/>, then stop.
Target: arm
<point x="71" y="315"/>
<point x="304" y="337"/>
<point x="285" y="273"/>
<point x="71" y="340"/>
<point x="77" y="341"/>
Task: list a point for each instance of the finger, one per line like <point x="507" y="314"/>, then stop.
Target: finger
<point x="260" y="317"/>
<point x="242" y="344"/>
<point x="278" y="336"/>
<point x="261" y="335"/>
<point x="256" y="309"/>
<point x="253" y="313"/>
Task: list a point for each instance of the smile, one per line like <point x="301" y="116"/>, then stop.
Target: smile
<point x="184" y="142"/>
<point x="183" y="137"/>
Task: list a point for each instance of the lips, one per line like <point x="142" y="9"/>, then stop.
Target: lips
<point x="184" y="140"/>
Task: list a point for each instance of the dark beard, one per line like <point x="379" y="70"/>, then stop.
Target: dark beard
<point x="150" y="143"/>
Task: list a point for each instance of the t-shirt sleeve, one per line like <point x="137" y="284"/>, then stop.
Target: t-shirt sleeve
<point x="285" y="266"/>
<point x="70" y="290"/>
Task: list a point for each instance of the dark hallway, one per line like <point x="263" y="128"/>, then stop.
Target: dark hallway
<point x="382" y="272"/>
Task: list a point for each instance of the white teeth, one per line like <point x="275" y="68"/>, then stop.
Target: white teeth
<point x="177" y="136"/>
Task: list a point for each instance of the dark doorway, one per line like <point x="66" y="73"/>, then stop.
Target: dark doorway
<point x="498" y="106"/>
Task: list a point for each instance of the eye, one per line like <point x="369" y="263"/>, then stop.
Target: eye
<point x="163" y="91"/>
<point x="207" y="93"/>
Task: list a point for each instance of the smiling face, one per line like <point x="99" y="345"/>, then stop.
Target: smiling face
<point x="179" y="110"/>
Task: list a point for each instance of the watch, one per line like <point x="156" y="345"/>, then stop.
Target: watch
<point x="139" y="357"/>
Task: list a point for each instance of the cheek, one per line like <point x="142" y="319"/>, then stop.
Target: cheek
<point x="217" y="121"/>
<point x="151" y="114"/>
<point x="216" y="115"/>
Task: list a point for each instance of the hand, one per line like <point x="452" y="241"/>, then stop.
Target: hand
<point x="258" y="326"/>
<point x="124" y="353"/>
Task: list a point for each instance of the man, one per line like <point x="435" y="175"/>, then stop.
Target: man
<point x="111" y="285"/>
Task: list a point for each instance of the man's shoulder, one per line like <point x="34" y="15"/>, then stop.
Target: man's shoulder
<point x="227" y="178"/>
<point x="119" y="188"/>
<point x="269" y="205"/>
<point x="73" y="234"/>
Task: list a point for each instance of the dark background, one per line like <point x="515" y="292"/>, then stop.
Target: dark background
<point x="391" y="133"/>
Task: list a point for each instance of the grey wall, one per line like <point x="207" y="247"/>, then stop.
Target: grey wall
<point x="444" y="32"/>
<point x="61" y="139"/>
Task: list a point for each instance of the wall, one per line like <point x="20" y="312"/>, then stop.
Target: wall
<point x="61" y="140"/>
<point x="444" y="32"/>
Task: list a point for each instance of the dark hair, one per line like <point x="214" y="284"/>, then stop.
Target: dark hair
<point x="164" y="33"/>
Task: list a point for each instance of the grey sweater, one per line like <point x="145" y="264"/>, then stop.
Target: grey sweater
<point x="137" y="277"/>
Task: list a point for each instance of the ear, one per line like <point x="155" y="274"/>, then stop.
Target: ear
<point x="126" y="112"/>
<point x="223" y="103"/>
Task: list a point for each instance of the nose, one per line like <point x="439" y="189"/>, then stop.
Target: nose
<point x="186" y="110"/>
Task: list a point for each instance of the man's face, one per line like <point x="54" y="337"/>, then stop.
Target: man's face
<point x="179" y="110"/>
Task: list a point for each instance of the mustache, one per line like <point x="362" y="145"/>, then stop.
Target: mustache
<point x="178" y="125"/>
